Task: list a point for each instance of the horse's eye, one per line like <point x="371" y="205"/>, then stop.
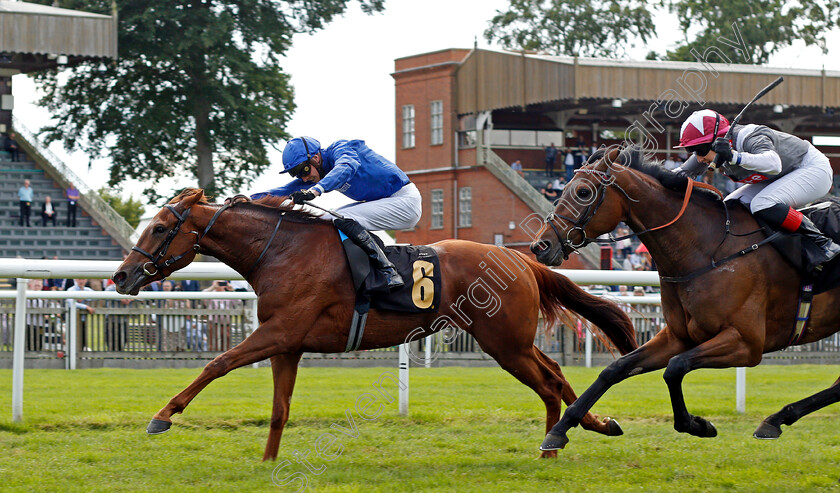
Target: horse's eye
<point x="583" y="193"/>
<point x="159" y="229"/>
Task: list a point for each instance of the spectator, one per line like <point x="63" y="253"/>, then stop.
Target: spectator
<point x="559" y="184"/>
<point x="669" y="163"/>
<point x="549" y="192"/>
<point x="171" y="321"/>
<point x="196" y="329"/>
<point x="219" y="324"/>
<point x="240" y="286"/>
<point x="81" y="285"/>
<point x="517" y="166"/>
<point x="25" y="195"/>
<point x="569" y="163"/>
<point x="116" y="325"/>
<point x="47" y="211"/>
<point x="550" y="158"/>
<point x="190" y="285"/>
<point x="72" y="199"/>
<point x="12" y="147"/>
<point x="35" y="322"/>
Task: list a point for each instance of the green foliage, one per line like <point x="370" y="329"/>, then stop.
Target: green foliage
<point x="468" y="429"/>
<point x="601" y="28"/>
<point x="131" y="210"/>
<point x="198" y="88"/>
<point x="765" y="25"/>
<point x="607" y="28"/>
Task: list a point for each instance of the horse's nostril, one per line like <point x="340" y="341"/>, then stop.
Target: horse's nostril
<point x="539" y="246"/>
<point x="119" y="277"/>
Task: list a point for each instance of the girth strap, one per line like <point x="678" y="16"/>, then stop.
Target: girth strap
<point x="803" y="312"/>
<point x="357" y="325"/>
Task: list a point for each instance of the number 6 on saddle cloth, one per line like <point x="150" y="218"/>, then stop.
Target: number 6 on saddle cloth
<point x="419" y="265"/>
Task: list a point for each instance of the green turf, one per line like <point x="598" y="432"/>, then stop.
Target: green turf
<point x="469" y="429"/>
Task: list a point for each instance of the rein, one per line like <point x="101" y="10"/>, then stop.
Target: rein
<point x="606" y="180"/>
<point x="157" y="256"/>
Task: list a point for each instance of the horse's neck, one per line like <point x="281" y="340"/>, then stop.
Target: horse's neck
<point x="699" y="229"/>
<point x="238" y="239"/>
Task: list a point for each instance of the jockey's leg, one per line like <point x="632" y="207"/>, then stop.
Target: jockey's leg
<point x="776" y="203"/>
<point x="362" y="237"/>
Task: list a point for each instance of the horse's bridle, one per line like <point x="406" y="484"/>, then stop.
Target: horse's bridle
<point x="606" y="179"/>
<point x="586" y="216"/>
<point x="156" y="257"/>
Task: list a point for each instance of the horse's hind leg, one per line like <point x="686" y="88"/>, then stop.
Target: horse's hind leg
<point x="284" y="368"/>
<point x="256" y="347"/>
<point x="590" y="421"/>
<point x="772" y="426"/>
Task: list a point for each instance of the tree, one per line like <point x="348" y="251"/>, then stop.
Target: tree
<point x="130" y="209"/>
<point x="766" y="26"/>
<point x="197" y="88"/>
<point x="607" y="28"/>
<point x="601" y="28"/>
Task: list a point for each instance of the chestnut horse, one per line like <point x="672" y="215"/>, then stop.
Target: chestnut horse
<point x="298" y="269"/>
<point x="720" y="313"/>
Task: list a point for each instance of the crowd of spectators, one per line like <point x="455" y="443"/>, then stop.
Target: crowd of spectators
<point x="49" y="209"/>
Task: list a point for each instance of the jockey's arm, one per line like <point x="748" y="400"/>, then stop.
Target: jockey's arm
<point x="760" y="155"/>
<point x="691" y="167"/>
<point x="282" y="191"/>
<point x="346" y="164"/>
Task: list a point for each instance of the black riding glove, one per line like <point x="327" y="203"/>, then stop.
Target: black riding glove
<point x="302" y="196"/>
<point x="723" y="149"/>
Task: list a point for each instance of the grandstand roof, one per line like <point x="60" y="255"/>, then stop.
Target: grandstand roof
<point x="33" y="36"/>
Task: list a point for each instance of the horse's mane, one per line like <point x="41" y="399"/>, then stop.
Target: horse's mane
<point x="268" y="204"/>
<point x="633" y="158"/>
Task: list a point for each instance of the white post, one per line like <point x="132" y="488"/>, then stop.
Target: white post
<point x="430" y="339"/>
<point x="741" y="389"/>
<point x="588" y="348"/>
<point x="19" y="348"/>
<point x="403" y="378"/>
<point x="71" y="334"/>
<point x="255" y="322"/>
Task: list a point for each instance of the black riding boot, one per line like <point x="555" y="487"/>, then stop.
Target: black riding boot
<point x="361" y="237"/>
<point x="817" y="247"/>
<point x="821" y="248"/>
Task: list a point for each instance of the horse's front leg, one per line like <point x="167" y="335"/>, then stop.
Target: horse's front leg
<point x="651" y="356"/>
<point x="284" y="368"/>
<point x="727" y="349"/>
<point x="261" y="344"/>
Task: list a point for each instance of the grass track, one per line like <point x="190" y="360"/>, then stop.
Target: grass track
<point x="469" y="429"/>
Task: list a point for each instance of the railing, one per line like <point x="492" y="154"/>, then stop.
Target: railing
<point x="93" y="204"/>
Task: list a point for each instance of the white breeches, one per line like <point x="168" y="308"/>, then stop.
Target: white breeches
<point x="401" y="210"/>
<point x="796" y="189"/>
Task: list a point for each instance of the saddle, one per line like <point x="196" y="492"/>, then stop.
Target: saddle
<point x="826" y="216"/>
<point x="418" y="265"/>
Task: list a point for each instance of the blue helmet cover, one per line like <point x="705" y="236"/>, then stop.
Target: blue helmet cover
<point x="299" y="150"/>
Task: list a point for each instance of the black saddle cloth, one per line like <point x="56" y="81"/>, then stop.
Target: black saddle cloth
<point x="826" y="216"/>
<point x="419" y="267"/>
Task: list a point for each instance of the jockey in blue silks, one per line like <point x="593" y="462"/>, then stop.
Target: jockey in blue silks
<point x="386" y="197"/>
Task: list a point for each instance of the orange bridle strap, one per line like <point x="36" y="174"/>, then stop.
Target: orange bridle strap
<point x="688" y="190"/>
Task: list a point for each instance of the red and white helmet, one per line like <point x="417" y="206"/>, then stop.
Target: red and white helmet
<point x="701" y="127"/>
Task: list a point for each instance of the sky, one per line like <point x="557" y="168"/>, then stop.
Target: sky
<point x="342" y="82"/>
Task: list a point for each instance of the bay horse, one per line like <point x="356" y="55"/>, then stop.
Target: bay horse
<point x="298" y="269"/>
<point x="720" y="312"/>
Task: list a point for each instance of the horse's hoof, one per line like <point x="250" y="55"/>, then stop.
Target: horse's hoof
<point x="766" y="431"/>
<point x="549" y="454"/>
<point x="699" y="427"/>
<point x="554" y="442"/>
<point x="158" y="426"/>
<point x="614" y="429"/>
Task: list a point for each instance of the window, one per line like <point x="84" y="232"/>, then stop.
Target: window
<point x="465" y="207"/>
<point x="408" y="126"/>
<point x="437" y="122"/>
<point x="437" y="208"/>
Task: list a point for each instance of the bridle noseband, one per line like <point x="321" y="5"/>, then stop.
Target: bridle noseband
<point x="156" y="257"/>
<point x="586" y="216"/>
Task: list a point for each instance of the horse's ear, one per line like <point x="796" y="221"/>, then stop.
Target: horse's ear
<point x="191" y="197"/>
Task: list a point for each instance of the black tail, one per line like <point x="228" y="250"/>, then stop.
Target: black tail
<point x="558" y="291"/>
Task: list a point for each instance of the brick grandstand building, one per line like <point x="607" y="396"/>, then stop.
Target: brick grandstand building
<point x="462" y="116"/>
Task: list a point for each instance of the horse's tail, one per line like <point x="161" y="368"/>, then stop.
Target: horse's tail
<point x="558" y="291"/>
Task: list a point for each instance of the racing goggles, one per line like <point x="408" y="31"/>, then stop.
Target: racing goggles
<point x="700" y="149"/>
<point x="301" y="170"/>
